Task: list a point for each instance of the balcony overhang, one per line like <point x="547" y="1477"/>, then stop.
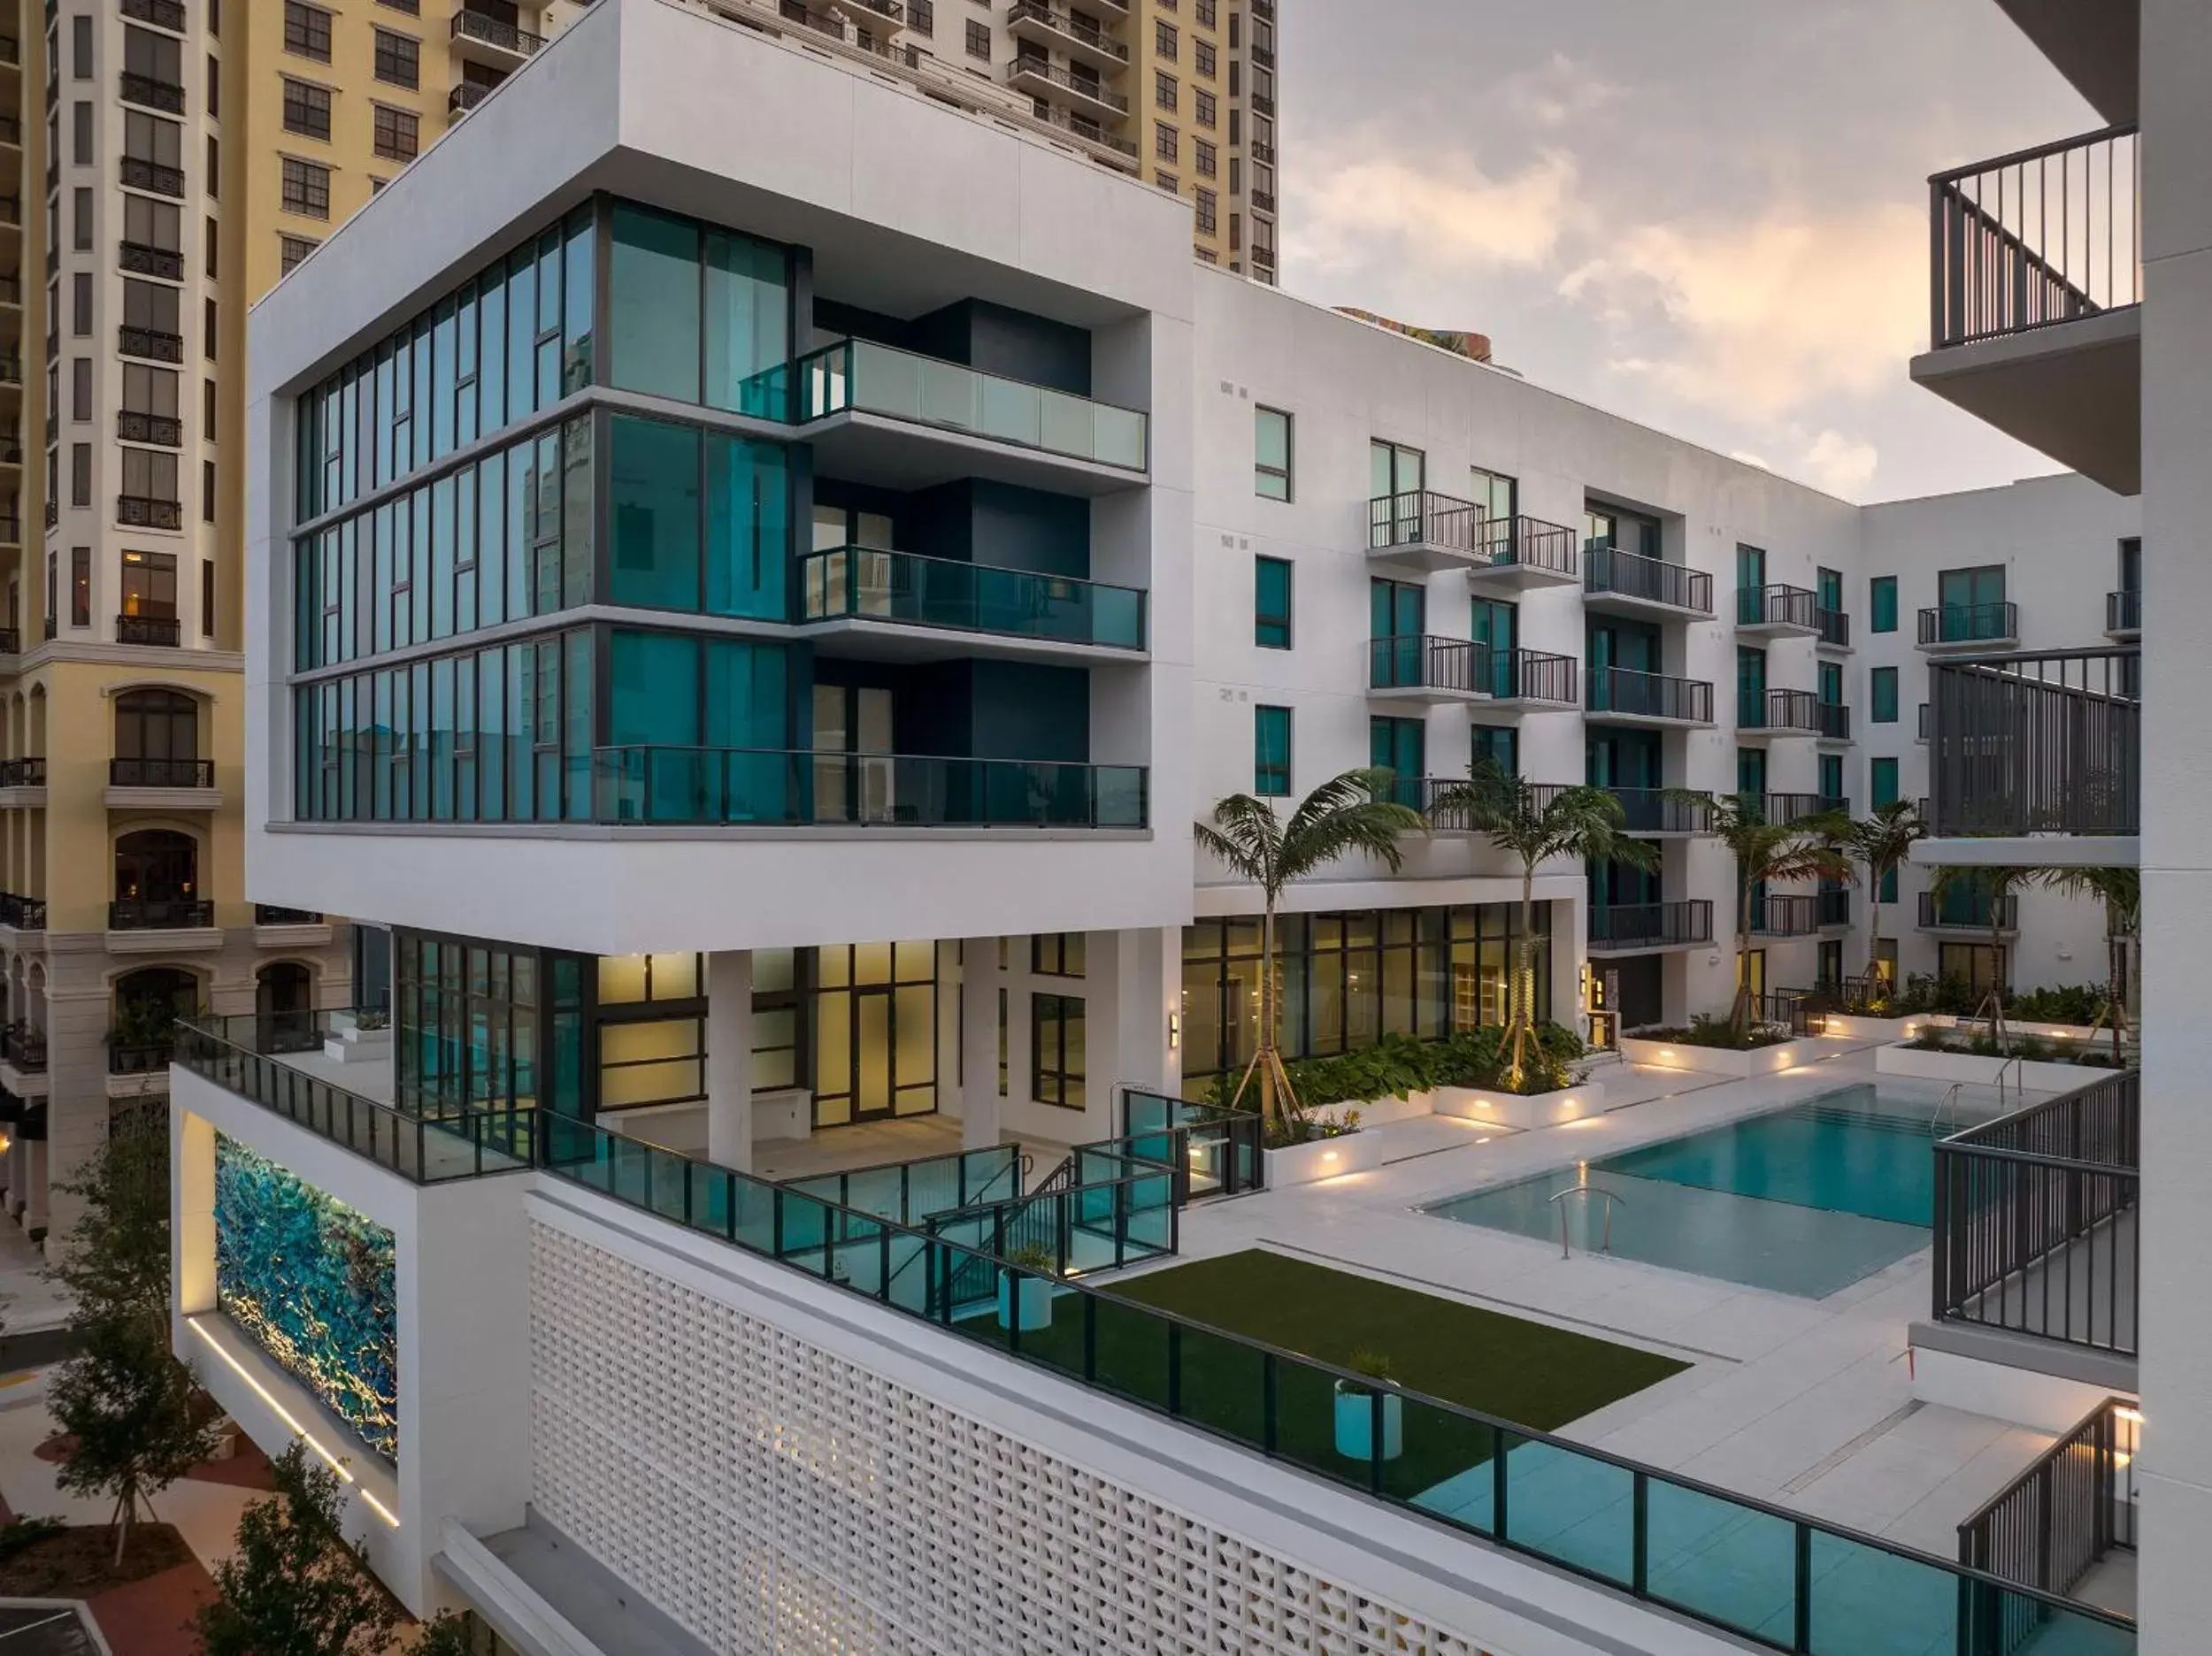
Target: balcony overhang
<point x="2098" y="48"/>
<point x="1620" y="603"/>
<point x="1420" y="557"/>
<point x="2072" y="390"/>
<point x="1621" y="951"/>
<point x="165" y="940"/>
<point x="154" y="799"/>
<point x="908" y="455"/>
<point x="2030" y="851"/>
<point x="1426" y="695"/>
<point x="1645" y="721"/>
<point x="863" y="638"/>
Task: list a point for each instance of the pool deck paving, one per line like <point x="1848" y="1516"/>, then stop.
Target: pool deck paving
<point x="1804" y="1403"/>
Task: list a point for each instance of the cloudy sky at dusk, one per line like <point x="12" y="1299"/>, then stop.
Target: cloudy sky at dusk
<point x="1708" y="215"/>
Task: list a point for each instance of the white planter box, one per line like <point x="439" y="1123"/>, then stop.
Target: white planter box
<point x="1033" y="1295"/>
<point x="355" y="1044"/>
<point x="1325" y="1158"/>
<point x="1851" y="1026"/>
<point x="1978" y="1071"/>
<point x="1511" y="1109"/>
<point x="1719" y="1061"/>
<point x="2042" y="1032"/>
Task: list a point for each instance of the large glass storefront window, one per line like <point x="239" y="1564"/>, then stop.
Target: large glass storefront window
<point x="486" y="1026"/>
<point x="875" y="1033"/>
<point x="1349" y="979"/>
<point x="698" y="314"/>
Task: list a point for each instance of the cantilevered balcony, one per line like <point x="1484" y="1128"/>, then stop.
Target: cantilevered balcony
<point x="1649" y="813"/>
<point x="2037" y="284"/>
<point x="1421" y="532"/>
<point x="767" y="787"/>
<point x="898" y="606"/>
<point x="1053" y="26"/>
<point x="1835" y="722"/>
<point x="1777" y="612"/>
<point x="1835" y="629"/>
<point x="1784" y="916"/>
<point x="1040" y="77"/>
<point x="1622" y="695"/>
<point x="1430" y="671"/>
<point x="1964" y="909"/>
<point x="915" y="421"/>
<point x="2036" y="759"/>
<point x="1657" y="928"/>
<point x="1777" y="713"/>
<point x="1614" y="582"/>
<point x="2124" y="616"/>
<point x="483" y="40"/>
<point x="1975" y="627"/>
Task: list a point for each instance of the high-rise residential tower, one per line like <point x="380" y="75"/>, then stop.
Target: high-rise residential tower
<point x="187" y="154"/>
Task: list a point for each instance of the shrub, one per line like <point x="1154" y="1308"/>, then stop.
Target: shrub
<point x="2068" y="1003"/>
<point x="1706" y="1031"/>
<point x="1398" y="1066"/>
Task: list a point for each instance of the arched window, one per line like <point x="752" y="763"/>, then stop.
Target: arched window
<point x="147" y="1004"/>
<point x="156" y="879"/>
<point x="157" y="724"/>
<point x="282" y="995"/>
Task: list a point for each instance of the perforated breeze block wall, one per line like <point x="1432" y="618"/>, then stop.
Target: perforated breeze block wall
<point x="769" y="1495"/>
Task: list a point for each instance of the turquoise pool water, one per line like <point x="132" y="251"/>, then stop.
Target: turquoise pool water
<point x="1804" y="1201"/>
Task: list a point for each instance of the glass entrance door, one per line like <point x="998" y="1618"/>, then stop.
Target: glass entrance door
<point x="1399" y="746"/>
<point x="1495" y="627"/>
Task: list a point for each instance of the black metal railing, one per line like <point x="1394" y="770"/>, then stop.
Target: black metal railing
<point x="1777" y="606"/>
<point x="1785" y="916"/>
<point x="1042" y="69"/>
<point x="2038" y="237"/>
<point x="1835" y="721"/>
<point x="490" y="31"/>
<point x="1656" y="811"/>
<point x="24" y="1048"/>
<point x="1618" y="927"/>
<point x="22" y="772"/>
<point x="161" y="773"/>
<point x="1835" y="628"/>
<point x="142" y="258"/>
<point x="1607" y="568"/>
<point x="10" y="640"/>
<point x="1968" y="623"/>
<point x="163" y="431"/>
<point x="1644" y="810"/>
<point x="465" y="96"/>
<point x="23" y="914"/>
<point x="138" y="1060"/>
<point x="1060" y="22"/>
<point x="1424" y="519"/>
<point x="161" y="180"/>
<point x="143" y="511"/>
<point x="275" y="915"/>
<point x="160" y="631"/>
<point x="2035" y="1219"/>
<point x="1419" y="662"/>
<point x="154" y="344"/>
<point x="2124" y="612"/>
<point x="1624" y="691"/>
<point x="1522" y="542"/>
<point x="2037" y="744"/>
<point x="1835" y="905"/>
<point x="166" y="95"/>
<point x="160" y="914"/>
<point x="1963" y="908"/>
<point x="1781" y="810"/>
<point x="168" y="14"/>
<point x="1776" y="710"/>
<point x="2052" y="1525"/>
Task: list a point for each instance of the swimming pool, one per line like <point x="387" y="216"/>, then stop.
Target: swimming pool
<point x="1804" y="1201"/>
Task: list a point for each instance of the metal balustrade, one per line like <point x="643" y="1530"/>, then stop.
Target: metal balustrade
<point x="1607" y="568"/>
<point x="2073" y="1507"/>
<point x="2049" y="743"/>
<point x="1777" y="606"/>
<point x="1950" y="624"/>
<point x="1629" y="694"/>
<point x="1618" y="927"/>
<point x="2038" y="237"/>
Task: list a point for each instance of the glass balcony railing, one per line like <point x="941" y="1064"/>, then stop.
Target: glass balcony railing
<point x="738" y="786"/>
<point x="871" y="378"/>
<point x="865" y="583"/>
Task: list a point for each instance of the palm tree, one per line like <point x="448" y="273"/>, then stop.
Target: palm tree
<point x="1996" y="885"/>
<point x="1883" y="842"/>
<point x="1353" y="814"/>
<point x="1584" y="823"/>
<point x="2121" y="890"/>
<point x="1801" y="850"/>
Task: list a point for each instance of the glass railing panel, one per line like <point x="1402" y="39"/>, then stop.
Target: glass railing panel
<point x="1721" y="1560"/>
<point x="1865" y="1598"/>
<point x="1221" y="1384"/>
<point x="856" y="581"/>
<point x="1438" y="1459"/>
<point x="1305" y="1426"/>
<point x="1573" y="1509"/>
<point x="1131" y="1346"/>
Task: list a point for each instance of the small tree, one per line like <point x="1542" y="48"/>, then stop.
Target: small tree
<point x="2121" y="891"/>
<point x="1586" y="824"/>
<point x="1996" y="886"/>
<point x="123" y="1396"/>
<point x="1765" y="851"/>
<point x="447" y="1636"/>
<point x="296" y="1586"/>
<point x="1882" y="843"/>
<point x="1352" y="815"/>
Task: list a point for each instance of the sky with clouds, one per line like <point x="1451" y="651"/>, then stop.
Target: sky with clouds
<point x="1709" y="216"/>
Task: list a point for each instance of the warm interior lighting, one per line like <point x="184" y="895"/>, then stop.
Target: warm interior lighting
<point x="1174" y="1031"/>
<point x="2134" y="1417"/>
<point x="298" y="1430"/>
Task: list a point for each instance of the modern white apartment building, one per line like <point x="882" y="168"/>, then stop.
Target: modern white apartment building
<point x="751" y="624"/>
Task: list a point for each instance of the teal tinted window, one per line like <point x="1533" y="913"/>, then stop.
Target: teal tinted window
<point x="748" y="324"/>
<point x="1882" y="780"/>
<point x="654" y="517"/>
<point x="1831" y="775"/>
<point x="653" y="303"/>
<point x="1271" y="752"/>
<point x="577" y="292"/>
<point x="1831" y="683"/>
<point x="1271" y="603"/>
<point x="1882" y="687"/>
<point x="1271" y="454"/>
<point x="1882" y="603"/>
<point x="1500" y="744"/>
<point x="748" y="527"/>
<point x="1751" y="771"/>
<point x="653" y="682"/>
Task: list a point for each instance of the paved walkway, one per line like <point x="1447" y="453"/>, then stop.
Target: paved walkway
<point x="1807" y="1403"/>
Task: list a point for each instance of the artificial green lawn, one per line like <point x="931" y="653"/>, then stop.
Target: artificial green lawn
<point x="1524" y="1372"/>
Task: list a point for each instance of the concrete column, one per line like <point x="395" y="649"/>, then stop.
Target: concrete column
<point x="1133" y="982"/>
<point x="730" y="1059"/>
<point x="979" y="1102"/>
<point x="191" y="1218"/>
<point x="35" y="1214"/>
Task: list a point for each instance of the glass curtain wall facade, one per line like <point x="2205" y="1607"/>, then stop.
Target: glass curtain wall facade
<point x="1349" y="979"/>
<point x="486" y="1026"/>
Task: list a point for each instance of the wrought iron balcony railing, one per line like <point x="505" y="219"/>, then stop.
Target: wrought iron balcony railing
<point x="1618" y="928"/>
<point x="160" y="914"/>
<point x="161" y="773"/>
<point x="1607" y="568"/>
<point x="1627" y="693"/>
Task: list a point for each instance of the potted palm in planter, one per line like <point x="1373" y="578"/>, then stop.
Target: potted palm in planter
<point x="1025" y="1301"/>
<point x="1362" y="1409"/>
